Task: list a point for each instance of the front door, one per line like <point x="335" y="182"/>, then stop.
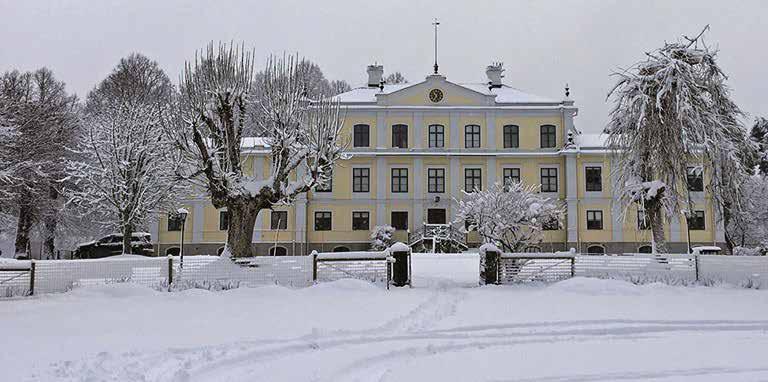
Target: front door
<point x="436" y="216"/>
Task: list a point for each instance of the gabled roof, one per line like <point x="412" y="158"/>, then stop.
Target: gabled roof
<point x="504" y="95"/>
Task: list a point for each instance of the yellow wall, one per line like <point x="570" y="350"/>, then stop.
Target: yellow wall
<point x="530" y="132"/>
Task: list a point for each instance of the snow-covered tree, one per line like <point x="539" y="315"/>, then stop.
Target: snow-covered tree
<point x="45" y="121"/>
<point x="510" y="216"/>
<point x="396" y="78"/>
<point x="759" y="135"/>
<point x="673" y="110"/>
<point x="382" y="237"/>
<point x="127" y="166"/>
<point x="303" y="136"/>
<point x="750" y="228"/>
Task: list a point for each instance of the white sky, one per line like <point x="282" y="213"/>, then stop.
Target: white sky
<point x="543" y="44"/>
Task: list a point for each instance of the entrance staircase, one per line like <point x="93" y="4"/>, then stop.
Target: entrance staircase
<point x="437" y="238"/>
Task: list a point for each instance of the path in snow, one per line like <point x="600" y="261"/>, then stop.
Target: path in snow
<point x="577" y="330"/>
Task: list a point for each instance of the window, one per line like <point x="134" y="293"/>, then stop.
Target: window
<point x="399" y="180"/>
<point x="174" y="223"/>
<point x="360" y="221"/>
<point x="548" y="180"/>
<point x="511" y="137"/>
<point x="645" y="249"/>
<point x="361" y="180"/>
<point x="472" y="179"/>
<point x="278" y="251"/>
<point x="436" y="180"/>
<point x="400" y="136"/>
<point x="278" y="220"/>
<point x="643" y="223"/>
<point x="695" y="179"/>
<point x="436" y="136"/>
<point x="595" y="250"/>
<point x="696" y="221"/>
<point x="551" y="225"/>
<point x="471" y="136"/>
<point x="341" y="248"/>
<point x="400" y="220"/>
<point x="547" y="136"/>
<point x="223" y="220"/>
<point x="594" y="177"/>
<point x="594" y="219"/>
<point x="322" y="221"/>
<point x="173" y="251"/>
<point x="511" y="175"/>
<point x="327" y="188"/>
<point x="361" y="135"/>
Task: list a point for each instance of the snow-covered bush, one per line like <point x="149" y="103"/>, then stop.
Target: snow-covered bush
<point x="381" y="237"/>
<point x="747" y="251"/>
<point x="511" y="216"/>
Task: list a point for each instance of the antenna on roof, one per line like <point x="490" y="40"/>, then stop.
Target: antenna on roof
<point x="436" y="23"/>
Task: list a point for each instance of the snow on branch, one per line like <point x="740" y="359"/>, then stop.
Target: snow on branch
<point x="512" y="216"/>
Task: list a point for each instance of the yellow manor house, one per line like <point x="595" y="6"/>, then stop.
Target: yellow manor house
<point x="414" y="147"/>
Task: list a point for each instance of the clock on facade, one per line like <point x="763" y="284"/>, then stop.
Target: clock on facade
<point x="435" y="95"/>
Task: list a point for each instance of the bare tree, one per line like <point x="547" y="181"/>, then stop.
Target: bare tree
<point x="303" y="136"/>
<point x="510" y="216"/>
<point x="127" y="167"/>
<point x="672" y="110"/>
<point x="396" y="78"/>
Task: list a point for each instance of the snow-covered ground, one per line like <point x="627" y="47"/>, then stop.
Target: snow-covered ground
<point x="576" y="330"/>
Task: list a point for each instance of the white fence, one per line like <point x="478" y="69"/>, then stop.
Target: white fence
<point x="211" y="272"/>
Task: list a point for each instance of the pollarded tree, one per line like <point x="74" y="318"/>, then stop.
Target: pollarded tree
<point x="512" y="216"/>
<point x="672" y="110"/>
<point x="303" y="136"/>
<point x="127" y="166"/>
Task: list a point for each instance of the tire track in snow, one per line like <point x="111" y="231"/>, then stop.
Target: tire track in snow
<point x="195" y="363"/>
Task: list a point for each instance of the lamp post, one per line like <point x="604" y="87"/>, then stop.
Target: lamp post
<point x="182" y="215"/>
<point x="688" y="228"/>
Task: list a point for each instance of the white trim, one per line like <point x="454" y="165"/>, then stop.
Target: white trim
<point x="593" y="194"/>
<point x="400" y="195"/>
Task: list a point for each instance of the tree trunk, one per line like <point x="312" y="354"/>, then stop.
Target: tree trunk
<point x="26" y="218"/>
<point x="50" y="221"/>
<point x="656" y="217"/>
<point x="242" y="217"/>
<point x="127" y="235"/>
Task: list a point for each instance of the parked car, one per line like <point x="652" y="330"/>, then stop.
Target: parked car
<point x="112" y="245"/>
<point x="707" y="250"/>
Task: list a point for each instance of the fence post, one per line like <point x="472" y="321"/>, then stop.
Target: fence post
<point x="401" y="271"/>
<point x="492" y="259"/>
<point x="314" y="266"/>
<point x="573" y="266"/>
<point x="170" y="272"/>
<point x="32" y="278"/>
<point x="696" y="266"/>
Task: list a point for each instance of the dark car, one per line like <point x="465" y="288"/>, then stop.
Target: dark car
<point x="112" y="245"/>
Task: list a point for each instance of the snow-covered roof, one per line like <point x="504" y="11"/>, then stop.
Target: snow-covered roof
<point x="250" y="142"/>
<point x="591" y="140"/>
<point x="508" y="94"/>
<point x="505" y="94"/>
<point x="367" y="94"/>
